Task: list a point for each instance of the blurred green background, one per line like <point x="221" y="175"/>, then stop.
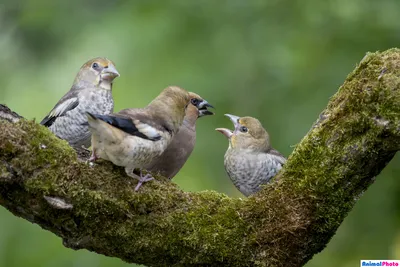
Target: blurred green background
<point x="276" y="60"/>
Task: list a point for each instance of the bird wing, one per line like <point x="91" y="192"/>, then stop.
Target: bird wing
<point x="148" y="117"/>
<point x="66" y="103"/>
<point x="133" y="126"/>
<point x="280" y="157"/>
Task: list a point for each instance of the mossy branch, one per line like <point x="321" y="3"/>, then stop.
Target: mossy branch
<point x="293" y="218"/>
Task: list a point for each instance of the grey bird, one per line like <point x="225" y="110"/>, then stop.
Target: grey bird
<point x="134" y="137"/>
<point x="182" y="145"/>
<point x="90" y="92"/>
<point x="250" y="161"/>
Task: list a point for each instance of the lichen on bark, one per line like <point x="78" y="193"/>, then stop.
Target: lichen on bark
<point x="285" y="224"/>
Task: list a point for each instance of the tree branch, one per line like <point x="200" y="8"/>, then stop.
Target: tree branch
<point x="96" y="208"/>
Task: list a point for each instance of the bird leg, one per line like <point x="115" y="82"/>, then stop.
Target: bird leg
<point x="143" y="179"/>
<point x="93" y="156"/>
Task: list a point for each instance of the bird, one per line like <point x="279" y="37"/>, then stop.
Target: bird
<point x="182" y="145"/>
<point x="90" y="92"/>
<point x="134" y="137"/>
<point x="250" y="161"/>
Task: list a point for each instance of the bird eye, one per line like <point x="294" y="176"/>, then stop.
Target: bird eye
<point x="244" y="129"/>
<point x="95" y="65"/>
<point x="194" y="101"/>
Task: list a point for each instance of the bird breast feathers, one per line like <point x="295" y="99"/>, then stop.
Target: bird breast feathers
<point x="249" y="158"/>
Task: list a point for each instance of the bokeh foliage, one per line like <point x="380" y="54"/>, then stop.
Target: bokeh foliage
<point x="279" y="61"/>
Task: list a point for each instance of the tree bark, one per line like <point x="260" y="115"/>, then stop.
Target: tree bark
<point x="94" y="207"/>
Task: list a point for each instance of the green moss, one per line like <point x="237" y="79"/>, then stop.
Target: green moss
<point x="283" y="225"/>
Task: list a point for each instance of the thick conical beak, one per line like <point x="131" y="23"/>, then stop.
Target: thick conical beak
<point x="205" y="104"/>
<point x="203" y="111"/>
<point x="234" y="119"/>
<point x="228" y="133"/>
<point x="109" y="72"/>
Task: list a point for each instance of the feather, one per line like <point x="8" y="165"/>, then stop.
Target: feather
<point x="279" y="157"/>
<point x="60" y="110"/>
<point x="134" y="127"/>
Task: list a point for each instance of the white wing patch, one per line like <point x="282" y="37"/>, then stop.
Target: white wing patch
<point x="63" y="107"/>
<point x="149" y="131"/>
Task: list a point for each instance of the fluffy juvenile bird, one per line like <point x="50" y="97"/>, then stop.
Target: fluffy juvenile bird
<point x="90" y="92"/>
<point x="182" y="145"/>
<point x="250" y="160"/>
<point x="133" y="138"/>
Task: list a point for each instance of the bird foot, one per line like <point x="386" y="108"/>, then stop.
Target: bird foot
<point x="93" y="156"/>
<point x="143" y="179"/>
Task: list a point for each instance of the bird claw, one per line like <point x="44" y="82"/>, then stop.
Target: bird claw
<point x="93" y="156"/>
<point x="143" y="179"/>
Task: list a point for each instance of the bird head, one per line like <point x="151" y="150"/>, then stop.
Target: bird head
<point x="99" y="71"/>
<point x="171" y="105"/>
<point x="248" y="134"/>
<point x="198" y="106"/>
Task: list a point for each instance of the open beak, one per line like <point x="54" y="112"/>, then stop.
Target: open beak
<point x="234" y="119"/>
<point x="203" y="111"/>
<point x="228" y="133"/>
<point x="109" y="73"/>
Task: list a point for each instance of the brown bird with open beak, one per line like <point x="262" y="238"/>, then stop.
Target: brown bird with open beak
<point x="182" y="145"/>
<point x="90" y="92"/>
<point x="250" y="161"/>
<point x="134" y="137"/>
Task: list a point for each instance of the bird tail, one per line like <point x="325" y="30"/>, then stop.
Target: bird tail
<point x="100" y="125"/>
<point x="88" y="114"/>
<point x="91" y="119"/>
<point x="91" y="116"/>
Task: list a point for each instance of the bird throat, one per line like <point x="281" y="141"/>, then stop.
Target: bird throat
<point x="107" y="85"/>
